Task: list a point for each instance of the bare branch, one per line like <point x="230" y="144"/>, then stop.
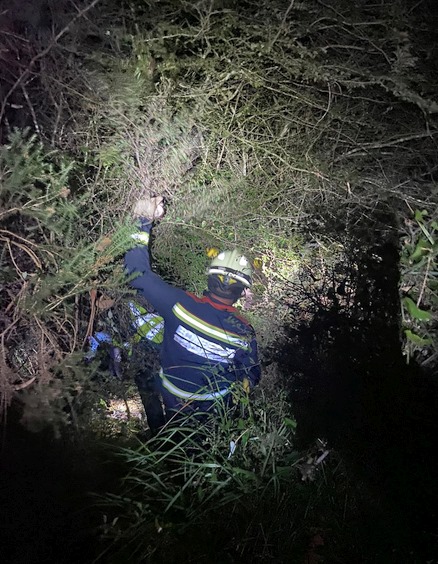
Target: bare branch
<point x="42" y="54"/>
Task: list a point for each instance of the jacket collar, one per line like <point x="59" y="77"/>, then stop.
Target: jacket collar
<point x="209" y="299"/>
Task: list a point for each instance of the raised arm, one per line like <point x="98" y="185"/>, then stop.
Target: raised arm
<point x="161" y="295"/>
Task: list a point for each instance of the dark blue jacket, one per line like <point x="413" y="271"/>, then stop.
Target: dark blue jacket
<point x="207" y="345"/>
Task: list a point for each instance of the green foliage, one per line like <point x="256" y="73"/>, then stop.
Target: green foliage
<point x="233" y="487"/>
<point x="50" y="260"/>
<point x="283" y="135"/>
<point x="194" y="473"/>
<point x="419" y="284"/>
<point x="276" y="128"/>
<point x="34" y="184"/>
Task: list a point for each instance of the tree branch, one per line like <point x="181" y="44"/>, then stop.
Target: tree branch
<point x="40" y="55"/>
<point x="363" y="149"/>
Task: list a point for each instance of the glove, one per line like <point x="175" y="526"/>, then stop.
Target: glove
<point x="149" y="208"/>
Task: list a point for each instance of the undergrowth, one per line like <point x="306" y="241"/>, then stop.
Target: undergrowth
<point x="52" y="256"/>
<point x="213" y="488"/>
<point x="303" y="132"/>
<point x="234" y="487"/>
<point x="279" y="129"/>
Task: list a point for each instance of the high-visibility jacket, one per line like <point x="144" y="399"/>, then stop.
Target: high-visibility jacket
<point x="207" y="345"/>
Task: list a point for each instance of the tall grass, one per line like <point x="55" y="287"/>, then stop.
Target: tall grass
<point x="230" y="476"/>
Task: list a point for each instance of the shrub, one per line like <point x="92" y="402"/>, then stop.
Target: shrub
<point x="53" y="257"/>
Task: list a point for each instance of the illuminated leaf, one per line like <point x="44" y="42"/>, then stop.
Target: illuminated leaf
<point x="414" y="311"/>
<point x="290" y="423"/>
<point x="104" y="303"/>
<point x="422" y="247"/>
<point x="212" y="252"/>
<point x="416" y="339"/>
<point x="419" y="215"/>
<point x="103" y="244"/>
<point x="426" y="232"/>
<point x="258" y="263"/>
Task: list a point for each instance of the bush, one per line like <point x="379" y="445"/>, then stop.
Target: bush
<point x="52" y="259"/>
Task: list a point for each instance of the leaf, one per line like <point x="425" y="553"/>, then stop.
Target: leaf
<point x="414" y="311"/>
<point x="426" y="233"/>
<point x="421" y="248"/>
<point x="419" y="215"/>
<point x="245" y="473"/>
<point x="290" y="423"/>
<point x="241" y="424"/>
<point x="64" y="192"/>
<point x="416" y="339"/>
<point x="212" y="252"/>
<point x="245" y="438"/>
<point x="104" y="303"/>
<point x="258" y="263"/>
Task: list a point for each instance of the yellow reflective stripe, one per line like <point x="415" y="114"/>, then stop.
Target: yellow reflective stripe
<point x="141" y="237"/>
<point x="207" y="328"/>
<point x="175" y="391"/>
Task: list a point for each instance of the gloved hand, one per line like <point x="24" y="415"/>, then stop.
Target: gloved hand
<point x="149" y="207"/>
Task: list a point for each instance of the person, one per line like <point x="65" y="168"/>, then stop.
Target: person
<point x="207" y="345"/>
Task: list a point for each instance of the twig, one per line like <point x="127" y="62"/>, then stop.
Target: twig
<point x="47" y="334"/>
<point x="281" y="28"/>
<point x="76" y="323"/>
<point x="221" y="154"/>
<point x="40" y="55"/>
<point x="29" y="252"/>
<point x="415" y="6"/>
<point x="59" y="108"/>
<point x="25" y="384"/>
<point x="93" y="295"/>
<point x="329" y="103"/>
<point x="7" y="330"/>
<point x="31" y="109"/>
<point x="11" y="254"/>
<point x="366" y="146"/>
<point x="18" y="237"/>
<point x="426" y="275"/>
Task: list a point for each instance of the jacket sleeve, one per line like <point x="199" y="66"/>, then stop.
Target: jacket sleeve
<point x="247" y="364"/>
<point x="159" y="294"/>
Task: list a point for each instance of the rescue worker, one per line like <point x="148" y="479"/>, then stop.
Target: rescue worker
<point x="207" y="345"/>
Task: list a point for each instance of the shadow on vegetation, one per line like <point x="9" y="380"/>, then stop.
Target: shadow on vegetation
<point x="351" y="385"/>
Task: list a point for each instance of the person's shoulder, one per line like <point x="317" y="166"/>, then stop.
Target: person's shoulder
<point x="242" y="324"/>
<point x="192" y="296"/>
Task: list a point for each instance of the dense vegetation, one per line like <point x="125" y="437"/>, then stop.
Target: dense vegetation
<point x="306" y="133"/>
